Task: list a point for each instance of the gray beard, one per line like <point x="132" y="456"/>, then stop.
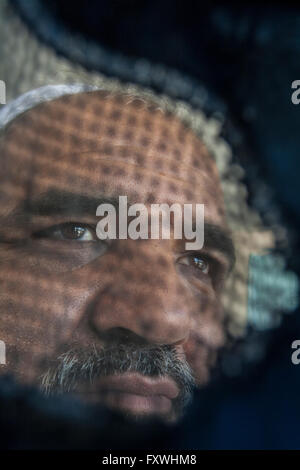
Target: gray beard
<point x="77" y="366"/>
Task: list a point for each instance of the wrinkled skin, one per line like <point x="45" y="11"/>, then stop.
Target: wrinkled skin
<point x="57" y="291"/>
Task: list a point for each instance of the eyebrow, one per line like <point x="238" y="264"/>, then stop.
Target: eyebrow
<point x="55" y="202"/>
<point x="216" y="237"/>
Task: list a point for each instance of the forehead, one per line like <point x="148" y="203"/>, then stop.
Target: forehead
<point x="115" y="144"/>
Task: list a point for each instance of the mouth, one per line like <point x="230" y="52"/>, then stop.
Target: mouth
<point x="133" y="393"/>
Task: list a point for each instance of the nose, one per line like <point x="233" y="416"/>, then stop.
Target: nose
<point x="143" y="295"/>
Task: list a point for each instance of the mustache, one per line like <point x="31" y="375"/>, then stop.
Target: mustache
<point x="84" y="365"/>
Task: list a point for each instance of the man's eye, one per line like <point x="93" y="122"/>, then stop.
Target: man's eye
<point x="197" y="261"/>
<point x="70" y="231"/>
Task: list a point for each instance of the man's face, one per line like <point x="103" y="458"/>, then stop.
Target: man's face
<point x="132" y="324"/>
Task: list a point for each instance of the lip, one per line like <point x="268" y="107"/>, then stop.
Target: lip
<point x="139" y="385"/>
<point x="136" y="393"/>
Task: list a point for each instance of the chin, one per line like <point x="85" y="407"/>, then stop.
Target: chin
<point x="134" y="407"/>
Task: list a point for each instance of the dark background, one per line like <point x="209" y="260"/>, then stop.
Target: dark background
<point x="248" y="54"/>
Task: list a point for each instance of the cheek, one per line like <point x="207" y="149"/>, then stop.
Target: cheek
<point x="200" y="359"/>
<point x="207" y="336"/>
<point x="37" y="314"/>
